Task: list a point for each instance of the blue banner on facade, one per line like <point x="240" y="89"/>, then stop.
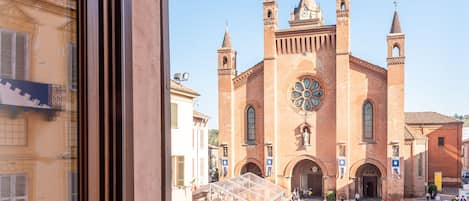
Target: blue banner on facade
<point x="395" y="162"/>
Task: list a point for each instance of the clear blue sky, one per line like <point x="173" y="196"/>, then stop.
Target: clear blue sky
<point x="437" y="45"/>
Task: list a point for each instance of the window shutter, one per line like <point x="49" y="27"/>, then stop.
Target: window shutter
<point x="20" y="187"/>
<point x="180" y="171"/>
<point x="20" y="59"/>
<point x="174" y="115"/>
<point x="5" y="187"/>
<point x="6" y="54"/>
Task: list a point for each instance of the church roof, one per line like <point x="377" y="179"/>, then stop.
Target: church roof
<point x="243" y="76"/>
<point x="396" y="25"/>
<point x="428" y="118"/>
<point x="226" y="40"/>
<point x="368" y="65"/>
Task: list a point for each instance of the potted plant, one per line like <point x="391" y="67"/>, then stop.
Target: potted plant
<point x="330" y="195"/>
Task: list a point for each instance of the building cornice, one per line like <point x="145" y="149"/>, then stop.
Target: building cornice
<point x="396" y="60"/>
<point x="329" y="29"/>
<point x="68" y="11"/>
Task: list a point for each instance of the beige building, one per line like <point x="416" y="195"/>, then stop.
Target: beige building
<point x="189" y="143"/>
<point x="38" y="100"/>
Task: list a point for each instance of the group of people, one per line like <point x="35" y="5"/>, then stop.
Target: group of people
<point x="462" y="198"/>
<point x="297" y="194"/>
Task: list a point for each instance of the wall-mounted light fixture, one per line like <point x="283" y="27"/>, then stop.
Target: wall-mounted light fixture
<point x="181" y="77"/>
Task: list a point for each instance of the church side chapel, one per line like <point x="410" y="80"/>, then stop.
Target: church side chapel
<point x="313" y="118"/>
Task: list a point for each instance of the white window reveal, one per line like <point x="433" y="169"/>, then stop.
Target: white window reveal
<point x="13" y="55"/>
<point x="13" y="187"/>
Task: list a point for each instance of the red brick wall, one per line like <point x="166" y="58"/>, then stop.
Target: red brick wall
<point x="447" y="158"/>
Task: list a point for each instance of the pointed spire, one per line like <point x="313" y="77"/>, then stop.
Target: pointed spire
<point x="226" y="40"/>
<point x="396" y="26"/>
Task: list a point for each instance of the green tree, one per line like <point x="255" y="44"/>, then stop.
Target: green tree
<point x="213" y="137"/>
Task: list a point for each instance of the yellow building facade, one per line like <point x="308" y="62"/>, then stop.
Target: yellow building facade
<point x="38" y="112"/>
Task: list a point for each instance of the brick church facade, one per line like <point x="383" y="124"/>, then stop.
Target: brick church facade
<point x="313" y="116"/>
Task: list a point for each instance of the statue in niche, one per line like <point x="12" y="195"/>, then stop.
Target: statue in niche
<point x="305" y="136"/>
<point x="395" y="150"/>
<point x="342" y="150"/>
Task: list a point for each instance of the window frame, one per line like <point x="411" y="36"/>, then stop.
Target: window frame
<point x="248" y="139"/>
<point x="364" y="137"/>
<point x="72" y="86"/>
<point x="13" y="53"/>
<point x="441" y="141"/>
<point x="13" y="186"/>
<point x="107" y="116"/>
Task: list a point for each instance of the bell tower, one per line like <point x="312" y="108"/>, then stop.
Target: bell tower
<point x="395" y="109"/>
<point x="343" y="90"/>
<point x="226" y="73"/>
<point x="270" y="82"/>
<point x="270" y="27"/>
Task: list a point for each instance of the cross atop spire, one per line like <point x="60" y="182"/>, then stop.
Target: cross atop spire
<point x="395" y="2"/>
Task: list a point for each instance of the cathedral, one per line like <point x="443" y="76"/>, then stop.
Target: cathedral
<point x="312" y="117"/>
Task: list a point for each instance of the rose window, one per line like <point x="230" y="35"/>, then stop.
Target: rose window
<point x="306" y="94"/>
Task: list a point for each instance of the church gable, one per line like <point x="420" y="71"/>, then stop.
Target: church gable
<point x="242" y="78"/>
<point x="365" y="65"/>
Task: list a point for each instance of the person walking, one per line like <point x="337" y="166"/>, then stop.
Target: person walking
<point x="357" y="196"/>
<point x="462" y="198"/>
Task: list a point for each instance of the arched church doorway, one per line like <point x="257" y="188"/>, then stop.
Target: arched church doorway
<point x="307" y="179"/>
<point x="252" y="168"/>
<point x="368" y="181"/>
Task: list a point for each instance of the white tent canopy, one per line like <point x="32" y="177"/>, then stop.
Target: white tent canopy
<point x="245" y="187"/>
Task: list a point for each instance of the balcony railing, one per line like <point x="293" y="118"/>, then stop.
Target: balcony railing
<point x="27" y="94"/>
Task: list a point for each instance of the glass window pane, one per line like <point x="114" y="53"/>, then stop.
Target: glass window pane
<point x="38" y="107"/>
<point x="368" y="120"/>
<point x="251" y="135"/>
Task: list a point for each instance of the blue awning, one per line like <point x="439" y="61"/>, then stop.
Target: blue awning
<point x="27" y="94"/>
